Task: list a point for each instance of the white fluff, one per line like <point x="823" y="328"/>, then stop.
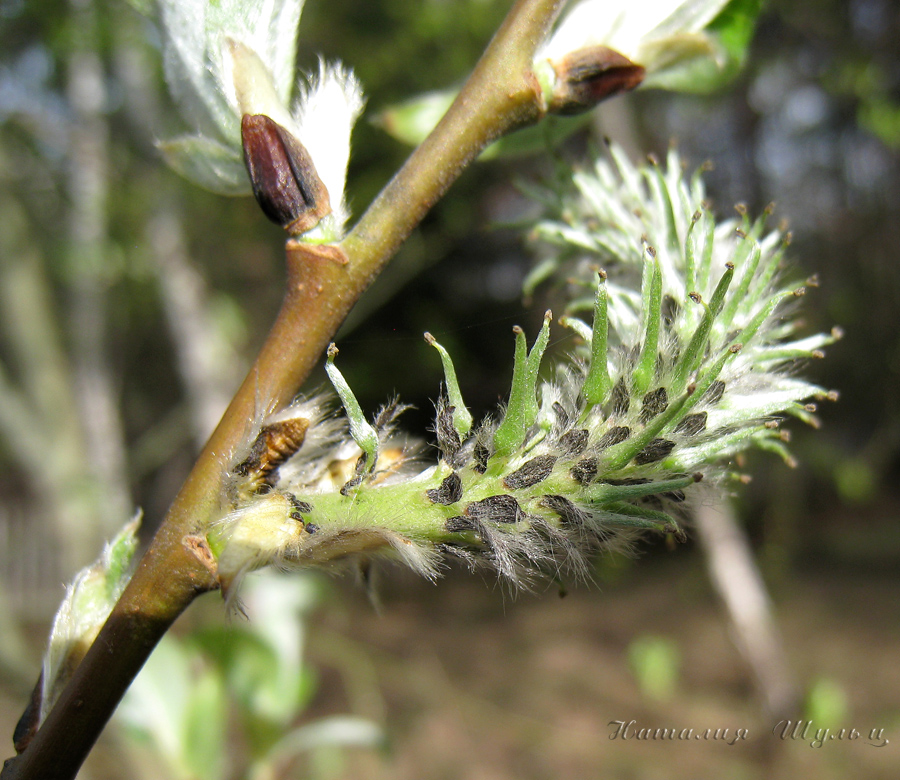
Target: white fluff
<point x="324" y="114"/>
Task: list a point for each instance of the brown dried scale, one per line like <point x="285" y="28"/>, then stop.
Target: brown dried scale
<point x="282" y="174"/>
<point x="275" y="443"/>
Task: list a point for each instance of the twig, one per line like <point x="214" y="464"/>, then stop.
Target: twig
<point x="501" y="94"/>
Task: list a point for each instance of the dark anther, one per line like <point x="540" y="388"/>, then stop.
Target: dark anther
<point x="561" y="414"/>
<point x="620" y="401"/>
<point x="567" y="511"/>
<point x="449" y="492"/>
<point x="388" y="414"/>
<point x="715" y="392"/>
<point x="529" y="474"/>
<point x="298" y="507"/>
<point x="585" y="470"/>
<point x="349" y="485"/>
<point x="654" y="451"/>
<point x="654" y="403"/>
<point x="459" y="524"/>
<point x="447" y="436"/>
<point x="481" y="455"/>
<point x="670" y="309"/>
<point x="501" y="508"/>
<point x="574" y="442"/>
<point x="614" y="436"/>
<point x="692" y="424"/>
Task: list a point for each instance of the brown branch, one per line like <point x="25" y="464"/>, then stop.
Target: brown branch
<point x="500" y="95"/>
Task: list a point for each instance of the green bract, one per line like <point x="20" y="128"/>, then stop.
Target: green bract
<point x="690" y="359"/>
<point x="89" y="599"/>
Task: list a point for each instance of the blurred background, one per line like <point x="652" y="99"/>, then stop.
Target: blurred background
<point x="131" y="304"/>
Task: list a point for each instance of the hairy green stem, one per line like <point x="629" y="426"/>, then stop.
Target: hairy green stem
<point x="501" y="95"/>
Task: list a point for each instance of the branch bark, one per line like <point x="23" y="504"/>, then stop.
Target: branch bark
<point x="500" y="95"/>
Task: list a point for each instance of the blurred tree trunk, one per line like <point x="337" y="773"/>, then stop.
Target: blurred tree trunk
<point x="38" y="413"/>
<point x="88" y="257"/>
<point x="736" y="578"/>
<point x="206" y="361"/>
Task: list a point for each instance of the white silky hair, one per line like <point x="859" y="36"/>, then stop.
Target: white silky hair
<point x="324" y="113"/>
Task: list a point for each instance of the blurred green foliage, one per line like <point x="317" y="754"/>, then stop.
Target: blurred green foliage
<point x="655" y="663"/>
<point x="826" y="704"/>
<point x="226" y="700"/>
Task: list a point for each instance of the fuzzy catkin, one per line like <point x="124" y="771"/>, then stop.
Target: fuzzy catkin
<point x="688" y="360"/>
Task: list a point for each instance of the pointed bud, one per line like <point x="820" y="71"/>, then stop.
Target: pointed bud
<point x="89" y="600"/>
<point x="462" y="417"/>
<point x="360" y="429"/>
<point x="283" y="176"/>
<point x="522" y="409"/>
<point x="589" y="75"/>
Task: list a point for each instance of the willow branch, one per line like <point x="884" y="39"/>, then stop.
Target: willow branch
<point x="500" y="95"/>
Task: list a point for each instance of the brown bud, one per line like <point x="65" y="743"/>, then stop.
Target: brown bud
<point x="589" y="75"/>
<point x="283" y="176"/>
<point x="275" y="444"/>
<point x="28" y="724"/>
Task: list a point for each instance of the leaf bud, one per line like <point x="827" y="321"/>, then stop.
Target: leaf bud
<point x="589" y="75"/>
<point x="284" y="179"/>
